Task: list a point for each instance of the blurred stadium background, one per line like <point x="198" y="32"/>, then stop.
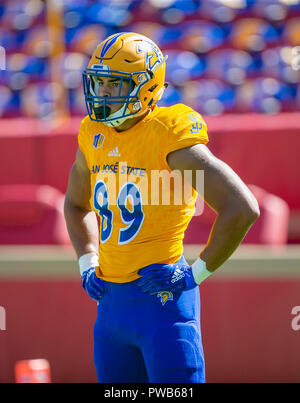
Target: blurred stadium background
<point x="237" y="62"/>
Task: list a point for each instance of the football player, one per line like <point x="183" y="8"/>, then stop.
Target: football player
<point x="148" y="322"/>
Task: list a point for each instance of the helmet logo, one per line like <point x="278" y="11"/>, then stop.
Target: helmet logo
<point x="153" y="54"/>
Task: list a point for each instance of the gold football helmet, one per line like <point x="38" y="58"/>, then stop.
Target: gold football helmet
<point x="126" y="56"/>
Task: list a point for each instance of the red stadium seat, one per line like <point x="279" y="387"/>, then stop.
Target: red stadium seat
<point x="270" y="229"/>
<point x="32" y="215"/>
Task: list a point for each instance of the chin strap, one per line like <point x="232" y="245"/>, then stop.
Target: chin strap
<point x="117" y="122"/>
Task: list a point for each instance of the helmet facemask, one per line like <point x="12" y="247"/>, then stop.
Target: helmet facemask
<point x="99" y="107"/>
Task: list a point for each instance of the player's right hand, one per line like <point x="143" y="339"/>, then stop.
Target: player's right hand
<point x="93" y="285"/>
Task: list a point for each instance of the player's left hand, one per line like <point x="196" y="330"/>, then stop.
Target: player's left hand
<point x="166" y="277"/>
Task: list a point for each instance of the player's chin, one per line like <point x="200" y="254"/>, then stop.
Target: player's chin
<point x="102" y="111"/>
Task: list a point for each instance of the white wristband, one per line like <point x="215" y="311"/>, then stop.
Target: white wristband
<point x="200" y="271"/>
<point x="87" y="261"/>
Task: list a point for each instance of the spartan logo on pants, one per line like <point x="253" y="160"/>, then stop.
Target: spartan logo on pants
<point x="165" y="296"/>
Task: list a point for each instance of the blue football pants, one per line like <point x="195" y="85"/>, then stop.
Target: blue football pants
<point x="148" y="338"/>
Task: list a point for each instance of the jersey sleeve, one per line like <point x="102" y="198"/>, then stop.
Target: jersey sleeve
<point x="187" y="128"/>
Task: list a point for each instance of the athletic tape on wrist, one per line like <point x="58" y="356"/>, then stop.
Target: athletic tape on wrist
<point x="200" y="271"/>
<point x="87" y="261"/>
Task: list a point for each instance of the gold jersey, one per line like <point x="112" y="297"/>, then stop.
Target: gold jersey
<point x="143" y="206"/>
